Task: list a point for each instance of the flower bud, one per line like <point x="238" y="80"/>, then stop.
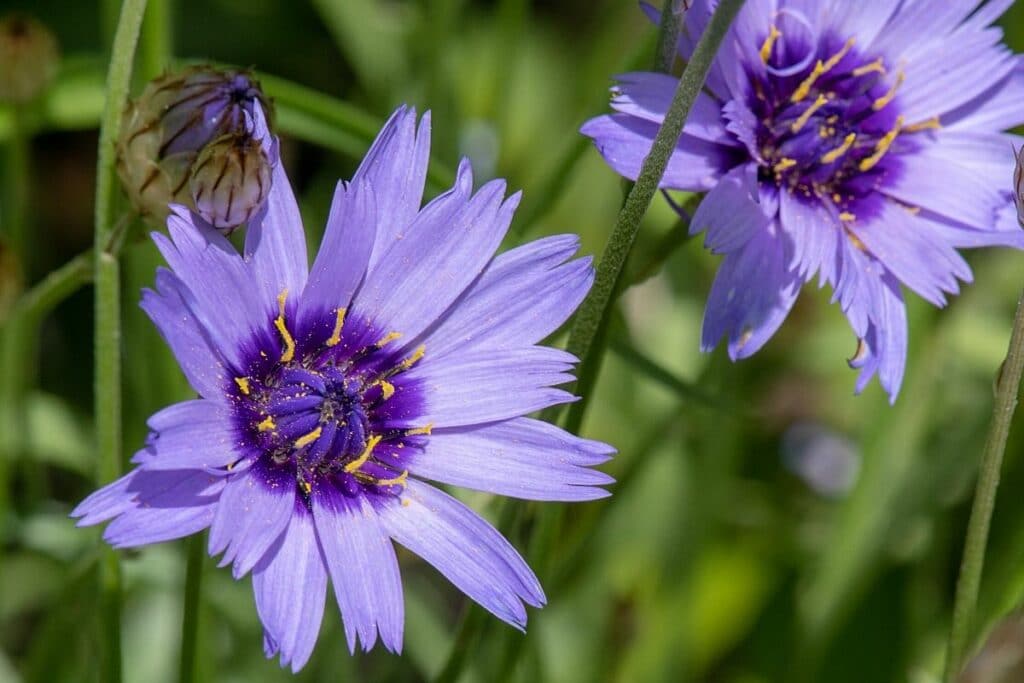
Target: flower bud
<point x="230" y="181"/>
<point x="28" y="58"/>
<point x="1018" y="186"/>
<point x="168" y="125"/>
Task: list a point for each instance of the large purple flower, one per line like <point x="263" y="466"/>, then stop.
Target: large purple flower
<point x="327" y="395"/>
<point x="859" y="141"/>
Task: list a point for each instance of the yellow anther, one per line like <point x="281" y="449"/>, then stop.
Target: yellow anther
<point x="399" y="480"/>
<point x="421" y="430"/>
<point x="785" y="163"/>
<point x="847" y="217"/>
<point x="307" y="439"/>
<point x="339" y="320"/>
<point x="820" y="69"/>
<point x="289" y="343"/>
<point x="243" y="384"/>
<point x="769" y="42"/>
<point x="856" y="242"/>
<point x="929" y="124"/>
<point x="874" y="67"/>
<point x="808" y="113"/>
<point x="885" y="99"/>
<point x="882" y="146"/>
<point x="387" y="389"/>
<point x="414" y="358"/>
<point x="306" y="486"/>
<point x="267" y="425"/>
<point x="388" y="338"/>
<point x="839" y="151"/>
<point x="371" y="443"/>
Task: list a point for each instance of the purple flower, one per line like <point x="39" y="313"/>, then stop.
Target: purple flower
<point x="857" y="141"/>
<point x="408" y="352"/>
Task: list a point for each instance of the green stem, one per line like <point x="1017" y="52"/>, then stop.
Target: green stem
<point x="190" y="616"/>
<point x="107" y="332"/>
<point x="155" y="48"/>
<point x="1007" y="389"/>
<point x="668" y="37"/>
<point x="586" y="335"/>
<point x="16" y="343"/>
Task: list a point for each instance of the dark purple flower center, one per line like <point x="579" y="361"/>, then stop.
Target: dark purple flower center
<point x="330" y="405"/>
<point x="826" y="118"/>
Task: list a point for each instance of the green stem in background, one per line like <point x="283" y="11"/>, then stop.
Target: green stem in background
<point x="155" y="45"/>
<point x="1007" y="389"/>
<point x="585" y="338"/>
<point x="16" y="344"/>
<point x="190" y="615"/>
<point x="668" y="37"/>
<point x="107" y="342"/>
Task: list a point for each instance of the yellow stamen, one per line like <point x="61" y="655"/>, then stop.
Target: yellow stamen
<point x="367" y="452"/>
<point x="820" y="69"/>
<point x="882" y="146"/>
<point x="414" y="358"/>
<point x="307" y="439"/>
<point x="388" y="338"/>
<point x="267" y="425"/>
<point x="769" y="42"/>
<point x="808" y="113"/>
<point x="839" y="151"/>
<point x="243" y="384"/>
<point x="306" y="486"/>
<point x="873" y="67"/>
<point x="929" y="124"/>
<point x="289" y="343"/>
<point x="847" y="217"/>
<point x="399" y="480"/>
<point x="885" y="99"/>
<point x="784" y="164"/>
<point x="421" y="430"/>
<point x="335" y="337"/>
<point x="387" y="389"/>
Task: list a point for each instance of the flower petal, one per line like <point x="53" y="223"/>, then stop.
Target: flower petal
<point x="751" y="296"/>
<point x="253" y="511"/>
<point x="363" y="568"/>
<point x="523" y="458"/>
<point x="491" y="385"/>
<point x="275" y="243"/>
<point x="195" y="434"/>
<point x="290" y="585"/>
<point x="465" y="548"/>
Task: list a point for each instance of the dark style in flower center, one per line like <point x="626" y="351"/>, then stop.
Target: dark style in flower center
<point x="330" y="405"/>
<point x="827" y="117"/>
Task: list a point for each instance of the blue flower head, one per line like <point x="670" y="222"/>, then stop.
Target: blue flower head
<point x="328" y="395"/>
<point x="859" y="142"/>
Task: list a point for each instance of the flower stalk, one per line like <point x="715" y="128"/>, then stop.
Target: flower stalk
<point x="107" y="388"/>
<point x="969" y="581"/>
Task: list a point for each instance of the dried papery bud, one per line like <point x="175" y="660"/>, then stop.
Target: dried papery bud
<point x="168" y="125"/>
<point x="28" y="58"/>
<point x="1018" y="186"/>
<point x="230" y="181"/>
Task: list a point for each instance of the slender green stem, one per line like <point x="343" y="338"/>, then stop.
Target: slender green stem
<point x="190" y="615"/>
<point x="668" y="37"/>
<point x="586" y="335"/>
<point x="107" y="315"/>
<point x="16" y="344"/>
<point x="1007" y="390"/>
<point x="58" y="285"/>
<point x="155" y="46"/>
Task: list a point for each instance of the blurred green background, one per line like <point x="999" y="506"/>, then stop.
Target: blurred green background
<point x="767" y="524"/>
